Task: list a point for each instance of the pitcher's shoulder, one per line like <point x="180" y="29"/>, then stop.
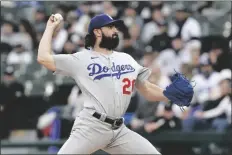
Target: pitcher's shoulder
<point x="122" y="54"/>
<point x="83" y="52"/>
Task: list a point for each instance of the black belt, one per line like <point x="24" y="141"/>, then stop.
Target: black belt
<point x="116" y="123"/>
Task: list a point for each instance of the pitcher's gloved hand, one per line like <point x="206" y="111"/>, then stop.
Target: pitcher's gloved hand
<point x="180" y="91"/>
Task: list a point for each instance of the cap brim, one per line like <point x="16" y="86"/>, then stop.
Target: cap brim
<point x="118" y="23"/>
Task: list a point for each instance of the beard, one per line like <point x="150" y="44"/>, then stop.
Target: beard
<point x="109" y="43"/>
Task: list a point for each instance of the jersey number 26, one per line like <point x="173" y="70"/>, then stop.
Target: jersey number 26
<point x="128" y="86"/>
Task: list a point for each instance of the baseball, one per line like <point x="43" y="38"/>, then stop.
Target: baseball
<point x="58" y="16"/>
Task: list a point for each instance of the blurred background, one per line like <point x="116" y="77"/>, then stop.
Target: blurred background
<point x="38" y="108"/>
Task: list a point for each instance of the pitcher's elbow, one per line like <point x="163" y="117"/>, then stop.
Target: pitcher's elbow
<point x="149" y="98"/>
<point x="39" y="60"/>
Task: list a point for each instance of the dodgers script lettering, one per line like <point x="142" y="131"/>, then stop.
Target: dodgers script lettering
<point x="103" y="71"/>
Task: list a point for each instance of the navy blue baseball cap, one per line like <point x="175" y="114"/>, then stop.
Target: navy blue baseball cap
<point x="103" y="20"/>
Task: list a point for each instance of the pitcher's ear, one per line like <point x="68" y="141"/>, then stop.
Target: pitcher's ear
<point x="97" y="32"/>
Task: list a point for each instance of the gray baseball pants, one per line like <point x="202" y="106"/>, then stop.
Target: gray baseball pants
<point x="89" y="134"/>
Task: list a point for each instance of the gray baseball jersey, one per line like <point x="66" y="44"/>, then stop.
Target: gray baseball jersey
<point x="107" y="81"/>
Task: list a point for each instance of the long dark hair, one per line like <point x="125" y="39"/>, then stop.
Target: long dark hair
<point x="90" y="40"/>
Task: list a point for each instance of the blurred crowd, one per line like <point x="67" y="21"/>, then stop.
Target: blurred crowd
<point x="163" y="36"/>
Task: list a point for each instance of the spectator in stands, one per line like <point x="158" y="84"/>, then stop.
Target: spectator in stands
<point x="191" y="52"/>
<point x="59" y="40"/>
<point x="74" y="38"/>
<point x="144" y="113"/>
<point x="110" y="9"/>
<point x="161" y="41"/>
<point x="19" y="56"/>
<point x="5" y="48"/>
<point x="187" y="70"/>
<point x="72" y="44"/>
<point x="129" y="49"/>
<point x="85" y="9"/>
<point x="204" y="5"/>
<point x="146" y="8"/>
<point x="206" y="82"/>
<point x="39" y="22"/>
<point x="131" y="17"/>
<point x="10" y="91"/>
<point x="77" y="23"/>
<point x="75" y="101"/>
<point x="131" y="43"/>
<point x="135" y="32"/>
<point x="172" y="58"/>
<point x="214" y="10"/>
<point x="7" y="98"/>
<point x="219" y="56"/>
<point x="148" y="57"/>
<point x="158" y="77"/>
<point x="184" y="25"/>
<point x="27" y="35"/>
<point x="224" y="106"/>
<point x="96" y="7"/>
<point x="8" y="32"/>
<point x="164" y="6"/>
<point x="168" y="121"/>
<point x="154" y="27"/>
<point x="207" y="95"/>
<point x="74" y="23"/>
<point x="71" y="20"/>
<point x="11" y="82"/>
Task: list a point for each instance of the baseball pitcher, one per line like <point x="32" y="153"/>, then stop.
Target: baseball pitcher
<point x="107" y="78"/>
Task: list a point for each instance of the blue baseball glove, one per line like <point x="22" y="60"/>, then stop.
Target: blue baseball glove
<point x="180" y="91"/>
